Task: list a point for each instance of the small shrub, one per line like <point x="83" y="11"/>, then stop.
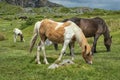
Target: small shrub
<point x="64" y="10"/>
<point x="58" y="16"/>
<point x="29" y="21"/>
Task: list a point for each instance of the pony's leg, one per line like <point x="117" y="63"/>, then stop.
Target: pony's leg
<point x="38" y="55"/>
<point x="43" y="49"/>
<point x="15" y="36"/>
<point x="41" y="45"/>
<point x="63" y="49"/>
<point x="71" y="47"/>
<point x="95" y="43"/>
<point x="55" y="46"/>
<point x="22" y="38"/>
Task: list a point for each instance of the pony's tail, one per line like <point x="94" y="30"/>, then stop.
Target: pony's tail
<point x="33" y="40"/>
<point x="35" y="32"/>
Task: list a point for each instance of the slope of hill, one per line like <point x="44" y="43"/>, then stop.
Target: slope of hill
<point x="32" y="3"/>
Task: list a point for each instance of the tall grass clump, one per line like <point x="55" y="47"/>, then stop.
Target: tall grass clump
<point x="114" y="24"/>
<point x="2" y="37"/>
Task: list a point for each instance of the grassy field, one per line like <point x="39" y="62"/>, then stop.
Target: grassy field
<point x="15" y="60"/>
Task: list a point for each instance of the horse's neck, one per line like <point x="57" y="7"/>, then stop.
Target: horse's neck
<point x="81" y="39"/>
<point x="106" y="34"/>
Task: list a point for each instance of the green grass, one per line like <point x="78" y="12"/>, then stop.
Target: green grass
<point x="15" y="60"/>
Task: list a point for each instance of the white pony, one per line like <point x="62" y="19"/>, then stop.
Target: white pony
<point x="18" y="32"/>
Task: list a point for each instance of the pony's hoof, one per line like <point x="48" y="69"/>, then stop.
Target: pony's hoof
<point x="108" y="50"/>
<point x="38" y="62"/>
<point x="46" y="63"/>
<point x="94" y="51"/>
<point x="72" y="59"/>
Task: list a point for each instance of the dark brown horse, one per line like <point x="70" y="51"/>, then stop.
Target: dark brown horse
<point x="94" y="27"/>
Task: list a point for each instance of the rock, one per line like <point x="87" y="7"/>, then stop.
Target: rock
<point x="53" y="66"/>
<point x="63" y="63"/>
<point x="66" y="62"/>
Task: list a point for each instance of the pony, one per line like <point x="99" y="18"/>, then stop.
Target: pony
<point x="23" y="17"/>
<point x="94" y="27"/>
<point x="18" y="32"/>
<point x="60" y="32"/>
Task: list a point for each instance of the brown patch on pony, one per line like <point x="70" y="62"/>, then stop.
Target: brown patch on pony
<point x="48" y="29"/>
<point x="66" y="24"/>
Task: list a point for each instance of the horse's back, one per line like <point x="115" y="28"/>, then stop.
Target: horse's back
<point x="52" y="30"/>
<point x="89" y="27"/>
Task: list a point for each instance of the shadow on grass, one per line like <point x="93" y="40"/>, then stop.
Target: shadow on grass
<point x="50" y="59"/>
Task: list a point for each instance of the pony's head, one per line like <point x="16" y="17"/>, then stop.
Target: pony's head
<point x="108" y="42"/>
<point x="87" y="54"/>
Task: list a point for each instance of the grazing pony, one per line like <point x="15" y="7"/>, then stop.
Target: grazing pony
<point x="23" y="17"/>
<point x="18" y="32"/>
<point x="94" y="27"/>
<point x="60" y="32"/>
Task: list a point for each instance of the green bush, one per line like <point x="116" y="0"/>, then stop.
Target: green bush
<point x="29" y="21"/>
<point x="64" y="10"/>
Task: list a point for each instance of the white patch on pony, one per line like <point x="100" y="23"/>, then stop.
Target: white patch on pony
<point x="77" y="31"/>
<point x="37" y="26"/>
<point x="69" y="33"/>
<point x="17" y="31"/>
<point x="59" y="25"/>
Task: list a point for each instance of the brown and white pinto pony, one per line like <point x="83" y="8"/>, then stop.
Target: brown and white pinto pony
<point x="64" y="33"/>
<point x="18" y="32"/>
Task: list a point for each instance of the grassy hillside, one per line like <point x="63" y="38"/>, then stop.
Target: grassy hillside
<point x="15" y="60"/>
<point x="9" y="9"/>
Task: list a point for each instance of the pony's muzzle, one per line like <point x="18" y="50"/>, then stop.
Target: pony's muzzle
<point x="89" y="62"/>
<point x="108" y="50"/>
